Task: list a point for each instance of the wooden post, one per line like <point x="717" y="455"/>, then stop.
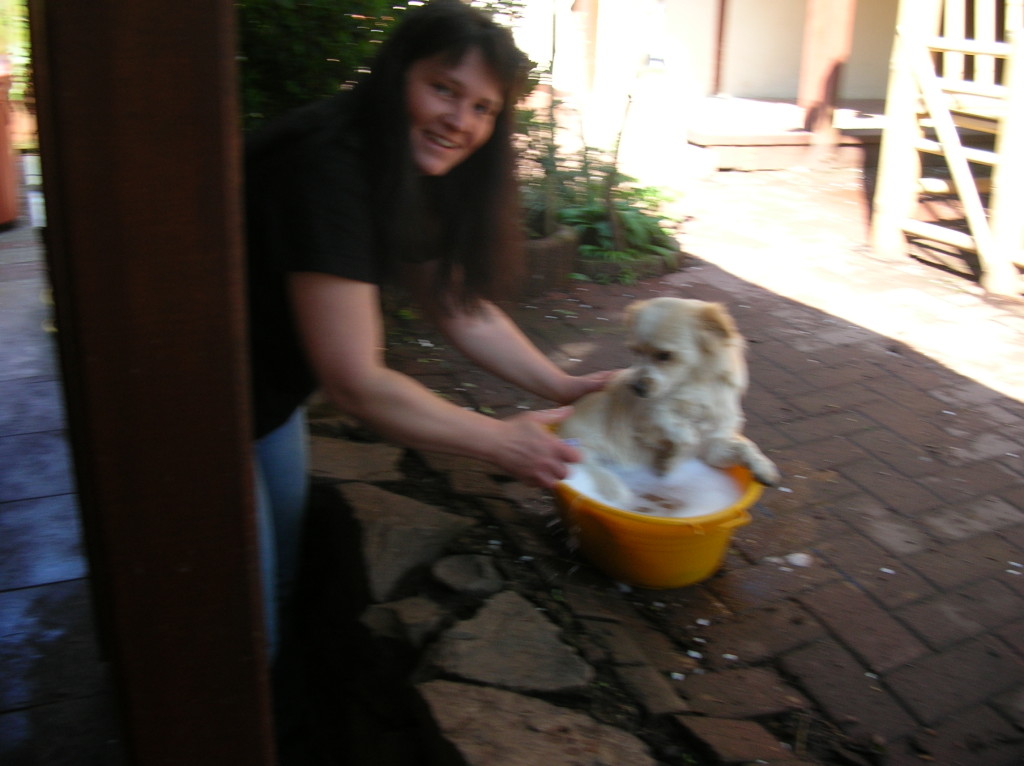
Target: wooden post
<point x="140" y="147"/>
<point x="720" y="30"/>
<point x="954" y="63"/>
<point x="985" y="32"/>
<point x="899" y="165"/>
<point x="1007" y="197"/>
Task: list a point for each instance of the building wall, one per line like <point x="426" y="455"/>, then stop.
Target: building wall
<point x="761" y="49"/>
<point x="867" y="72"/>
<point x="600" y="65"/>
<point x="641" y="68"/>
<point x="692" y="26"/>
<point x="762" y="44"/>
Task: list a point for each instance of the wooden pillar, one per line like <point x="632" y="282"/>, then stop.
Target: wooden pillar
<point x="719" y="63"/>
<point x="828" y="35"/>
<point x="899" y="163"/>
<point x="140" y="147"/>
<point x="1002" y="275"/>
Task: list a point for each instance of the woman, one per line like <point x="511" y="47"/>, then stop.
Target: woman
<point x="407" y="181"/>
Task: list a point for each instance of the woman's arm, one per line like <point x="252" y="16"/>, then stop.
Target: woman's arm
<point x="340" y="324"/>
<point x="493" y="341"/>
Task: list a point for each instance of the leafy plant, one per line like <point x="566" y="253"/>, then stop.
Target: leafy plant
<point x="292" y="52"/>
<point x="550" y="178"/>
<point x="616" y="220"/>
<point x="641" y="232"/>
<point x="14" y="43"/>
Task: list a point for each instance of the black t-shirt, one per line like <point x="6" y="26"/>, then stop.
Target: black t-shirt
<point x="307" y="209"/>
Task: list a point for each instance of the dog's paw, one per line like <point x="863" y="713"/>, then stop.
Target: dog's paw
<point x="766" y="472"/>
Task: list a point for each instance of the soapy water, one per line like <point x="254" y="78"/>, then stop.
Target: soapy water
<point x="692" y="488"/>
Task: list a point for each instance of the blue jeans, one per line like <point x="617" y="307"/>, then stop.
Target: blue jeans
<point x="282" y="490"/>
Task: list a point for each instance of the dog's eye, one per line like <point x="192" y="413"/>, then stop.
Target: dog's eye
<point x="663" y="356"/>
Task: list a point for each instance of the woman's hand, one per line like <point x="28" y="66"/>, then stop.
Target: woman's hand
<point x="531" y="452"/>
<point x="572" y="387"/>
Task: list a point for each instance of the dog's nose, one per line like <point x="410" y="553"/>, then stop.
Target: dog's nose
<point x="640" y="387"/>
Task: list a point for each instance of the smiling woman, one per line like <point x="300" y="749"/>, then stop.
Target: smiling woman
<point x="404" y="182"/>
<point x="452" y="108"/>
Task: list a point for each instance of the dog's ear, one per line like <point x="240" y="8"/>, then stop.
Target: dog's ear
<point x="631" y="311"/>
<point x="717" y="323"/>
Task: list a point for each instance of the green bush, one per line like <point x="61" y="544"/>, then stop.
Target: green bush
<point x="642" y="233"/>
<point x="14" y="43"/>
<point x="292" y="52"/>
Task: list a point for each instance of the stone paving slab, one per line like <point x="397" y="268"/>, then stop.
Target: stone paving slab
<point x="488" y="727"/>
<point x="56" y="705"/>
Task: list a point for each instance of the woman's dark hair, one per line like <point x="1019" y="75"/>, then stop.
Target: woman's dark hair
<point x="475" y="206"/>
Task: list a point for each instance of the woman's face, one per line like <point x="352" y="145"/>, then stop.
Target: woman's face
<point x="452" y="109"/>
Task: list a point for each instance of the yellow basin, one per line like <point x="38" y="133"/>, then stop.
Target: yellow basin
<point x="655" y="551"/>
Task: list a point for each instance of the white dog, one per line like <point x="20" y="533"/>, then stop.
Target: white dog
<point x="679" y="401"/>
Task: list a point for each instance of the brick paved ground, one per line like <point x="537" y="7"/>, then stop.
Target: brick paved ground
<point x="890" y="395"/>
<point x="888" y="392"/>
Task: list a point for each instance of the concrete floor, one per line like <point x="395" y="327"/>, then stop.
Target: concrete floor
<point x="54" y="691"/>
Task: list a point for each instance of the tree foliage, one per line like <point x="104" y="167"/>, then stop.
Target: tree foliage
<point x="14" y="46"/>
<point x="292" y="52"/>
